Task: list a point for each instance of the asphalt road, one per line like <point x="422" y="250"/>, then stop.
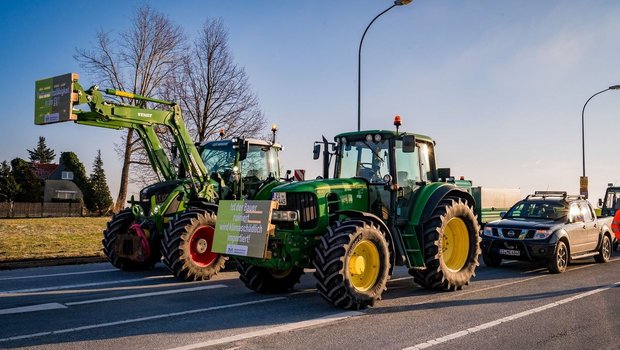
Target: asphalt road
<point x="515" y="306"/>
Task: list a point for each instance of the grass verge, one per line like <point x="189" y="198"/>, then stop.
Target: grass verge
<point x="47" y="238"/>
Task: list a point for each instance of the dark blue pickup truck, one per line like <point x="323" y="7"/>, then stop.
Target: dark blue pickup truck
<point x="548" y="226"/>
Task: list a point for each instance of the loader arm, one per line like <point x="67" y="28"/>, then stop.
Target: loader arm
<point x="107" y="114"/>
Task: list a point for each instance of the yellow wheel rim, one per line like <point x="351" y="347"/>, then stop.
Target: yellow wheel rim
<point x="364" y="265"/>
<point x="455" y="244"/>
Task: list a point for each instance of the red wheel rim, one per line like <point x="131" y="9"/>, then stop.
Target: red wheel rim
<point x="200" y="246"/>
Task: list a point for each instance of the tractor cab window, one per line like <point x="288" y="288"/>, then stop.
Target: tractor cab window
<point x="612" y="200"/>
<point x="260" y="163"/>
<point x="367" y="159"/>
<point x="218" y="157"/>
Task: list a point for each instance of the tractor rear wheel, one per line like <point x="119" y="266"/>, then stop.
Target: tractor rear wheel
<point x="352" y="264"/>
<point x="451" y="247"/>
<point x="187" y="245"/>
<point x="268" y="281"/>
<point x="117" y="229"/>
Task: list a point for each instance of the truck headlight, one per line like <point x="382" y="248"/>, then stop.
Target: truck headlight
<point x="487" y="231"/>
<point x="542" y="234"/>
<point x="284" y="215"/>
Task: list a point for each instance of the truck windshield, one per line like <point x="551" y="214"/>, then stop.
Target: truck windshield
<point x="367" y="159"/>
<point x="537" y="210"/>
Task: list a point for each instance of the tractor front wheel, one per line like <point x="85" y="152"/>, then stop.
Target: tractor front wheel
<point x="352" y="264"/>
<point x="187" y="246"/>
<point x="124" y="249"/>
<point x="268" y="281"/>
<point x="451" y="247"/>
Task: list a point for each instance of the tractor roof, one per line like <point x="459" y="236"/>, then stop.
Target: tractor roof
<point x="384" y="134"/>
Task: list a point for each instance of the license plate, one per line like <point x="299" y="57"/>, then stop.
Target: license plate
<point x="509" y="252"/>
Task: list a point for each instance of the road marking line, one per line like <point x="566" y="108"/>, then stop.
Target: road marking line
<point x="69" y="286"/>
<point x="273" y="330"/>
<point x="516" y="316"/>
<point x="32" y="308"/>
<point x="56" y="275"/>
<point x="143" y="295"/>
<point x="140" y="319"/>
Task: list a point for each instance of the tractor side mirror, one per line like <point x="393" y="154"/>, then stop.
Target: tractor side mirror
<point x="408" y="144"/>
<point x="600" y="203"/>
<point x="316" y="152"/>
<point x="443" y="173"/>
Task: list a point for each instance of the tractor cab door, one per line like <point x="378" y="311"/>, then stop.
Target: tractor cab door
<point x="369" y="159"/>
<point x="412" y="168"/>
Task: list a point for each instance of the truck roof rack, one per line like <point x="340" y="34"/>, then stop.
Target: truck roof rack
<point x="544" y="194"/>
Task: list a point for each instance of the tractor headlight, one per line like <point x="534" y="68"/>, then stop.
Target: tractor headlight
<point x="369" y="138"/>
<point x="284" y="215"/>
<point x="488" y="231"/>
<point x="377" y="138"/>
<point x="542" y="234"/>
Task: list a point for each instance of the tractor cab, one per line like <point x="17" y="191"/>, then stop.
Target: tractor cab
<point x="611" y="202"/>
<point x="393" y="164"/>
<point x="241" y="166"/>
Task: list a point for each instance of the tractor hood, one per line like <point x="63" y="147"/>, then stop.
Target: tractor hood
<point x="350" y="193"/>
<point x="323" y="187"/>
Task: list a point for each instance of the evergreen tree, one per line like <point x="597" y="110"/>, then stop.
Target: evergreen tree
<point x="102" y="200"/>
<point x="72" y="163"/>
<point x="42" y="153"/>
<point x="8" y="186"/>
<point x="30" y="185"/>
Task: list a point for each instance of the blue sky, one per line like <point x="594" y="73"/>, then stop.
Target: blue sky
<point x="499" y="84"/>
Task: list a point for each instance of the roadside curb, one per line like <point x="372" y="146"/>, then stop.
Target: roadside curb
<point x="27" y="263"/>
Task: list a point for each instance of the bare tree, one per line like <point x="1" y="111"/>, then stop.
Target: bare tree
<point x="212" y="90"/>
<point x="140" y="60"/>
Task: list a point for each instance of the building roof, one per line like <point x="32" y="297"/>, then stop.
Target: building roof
<point x="43" y="171"/>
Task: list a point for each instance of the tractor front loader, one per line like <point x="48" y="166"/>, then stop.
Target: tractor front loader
<point x="385" y="207"/>
<point x="172" y="218"/>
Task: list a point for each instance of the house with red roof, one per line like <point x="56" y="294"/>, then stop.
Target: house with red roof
<point x="57" y="182"/>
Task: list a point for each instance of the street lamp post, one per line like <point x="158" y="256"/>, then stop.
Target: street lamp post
<point x="583" y="143"/>
<point x="359" y="58"/>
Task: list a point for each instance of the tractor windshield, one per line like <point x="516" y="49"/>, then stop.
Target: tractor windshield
<point x="367" y="159"/>
<point x="612" y="199"/>
<point x="261" y="163"/>
<point x="218" y="157"/>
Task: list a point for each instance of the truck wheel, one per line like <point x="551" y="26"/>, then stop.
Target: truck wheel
<point x="352" y="265"/>
<point x="491" y="259"/>
<point x="604" y="253"/>
<point x="187" y="246"/>
<point x="268" y="281"/>
<point x="451" y="247"/>
<point x="559" y="261"/>
<point x="117" y="229"/>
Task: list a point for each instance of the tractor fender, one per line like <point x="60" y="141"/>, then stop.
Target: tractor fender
<point x="429" y="196"/>
<point x="355" y="214"/>
<point x="202" y="204"/>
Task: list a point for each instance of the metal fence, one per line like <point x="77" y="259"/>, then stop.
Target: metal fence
<point x="40" y="210"/>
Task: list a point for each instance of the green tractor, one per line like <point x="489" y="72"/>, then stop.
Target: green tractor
<point x="172" y="218"/>
<point x="385" y="207"/>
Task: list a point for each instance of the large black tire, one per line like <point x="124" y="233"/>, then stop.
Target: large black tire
<point x="268" y="281"/>
<point x="119" y="224"/>
<point x="352" y="264"/>
<point x="604" y="252"/>
<point x="560" y="258"/>
<point x="491" y="259"/>
<point x="187" y="243"/>
<point x="452" y="224"/>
